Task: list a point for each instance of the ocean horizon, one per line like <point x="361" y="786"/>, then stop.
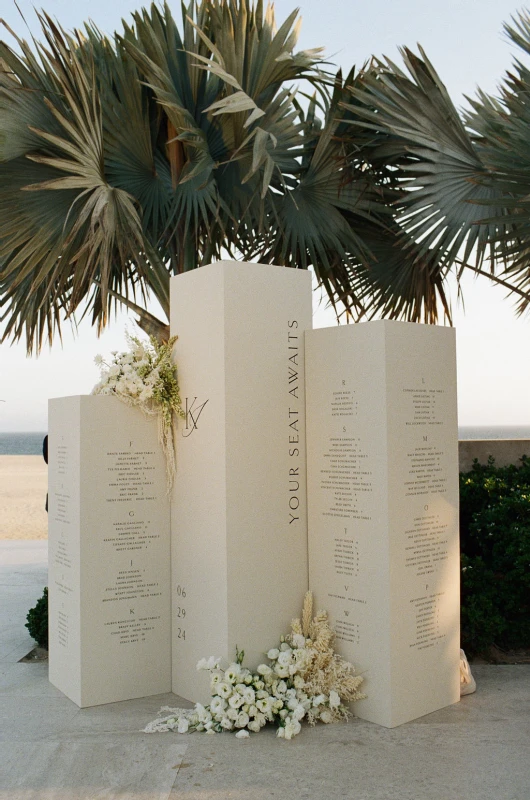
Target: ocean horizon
<point x="30" y="443"/>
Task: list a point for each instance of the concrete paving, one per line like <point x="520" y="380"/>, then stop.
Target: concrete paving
<point x="478" y="749"/>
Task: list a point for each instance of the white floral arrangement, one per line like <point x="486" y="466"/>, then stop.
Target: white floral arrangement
<point x="304" y="679"/>
<point x="146" y="377"/>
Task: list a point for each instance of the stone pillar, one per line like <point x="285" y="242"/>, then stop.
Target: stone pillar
<point x="383" y="509"/>
<point x="109" y="574"/>
<point x="239" y="525"/>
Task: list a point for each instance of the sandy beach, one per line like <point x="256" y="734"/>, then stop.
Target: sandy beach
<point x="23" y="487"/>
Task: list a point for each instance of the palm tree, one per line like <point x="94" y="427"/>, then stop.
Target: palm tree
<point x="125" y="161"/>
<point x="463" y="184"/>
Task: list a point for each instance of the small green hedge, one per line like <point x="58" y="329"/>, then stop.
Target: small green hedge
<point x="495" y="556"/>
<point x="37" y="621"/>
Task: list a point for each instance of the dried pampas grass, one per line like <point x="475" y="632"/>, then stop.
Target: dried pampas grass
<point x="326" y="671"/>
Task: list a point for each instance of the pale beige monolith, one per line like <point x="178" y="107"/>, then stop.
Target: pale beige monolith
<point x="239" y="525"/>
<point x="383" y="509"/>
<point x="109" y="551"/>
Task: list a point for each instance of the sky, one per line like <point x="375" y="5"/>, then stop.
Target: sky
<point x="464" y="40"/>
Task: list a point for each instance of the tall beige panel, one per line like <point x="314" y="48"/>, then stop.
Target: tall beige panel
<point x="383" y="509"/>
<point x="239" y="520"/>
<point x="109" y="551"/>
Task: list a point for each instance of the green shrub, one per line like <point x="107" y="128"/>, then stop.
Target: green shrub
<point x="495" y="548"/>
<point x="37" y="621"/>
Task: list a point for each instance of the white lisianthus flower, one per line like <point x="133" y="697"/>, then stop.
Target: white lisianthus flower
<point x="242" y="735"/>
<point x="252" y="711"/>
<point x="218" y="705"/>
<point x="298" y="640"/>
<point x="215" y="680"/>
<point x="210" y="730"/>
<point x="254" y="726"/>
<point x="292" y="728"/>
<point x="283" y="713"/>
<point x="292" y="703"/>
<point x="326" y="716"/>
<point x="183" y="725"/>
<point x="262" y="694"/>
<point x="98" y="361"/>
<point x="263" y="669"/>
<point x="281" y="688"/>
<point x="264" y="705"/>
<point x="202" y="713"/>
<point x="242" y="720"/>
<point x="232" y="713"/>
<point x="280" y="733"/>
<point x="232" y="673"/>
<point x="299" y="712"/>
<point x="224" y="690"/>
<point x="284" y="658"/>
<point x="249" y="695"/>
<point x="319" y="699"/>
<point x="277" y="706"/>
<point x="299" y="682"/>
<point x="208" y="725"/>
<point x="235" y="701"/>
<point x="273" y="654"/>
<point x="202" y="664"/>
<point x="284" y="646"/>
<point x="227" y="724"/>
<point x="261" y="719"/>
<point x="281" y="672"/>
<point x="334" y="699"/>
<point x="258" y="685"/>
